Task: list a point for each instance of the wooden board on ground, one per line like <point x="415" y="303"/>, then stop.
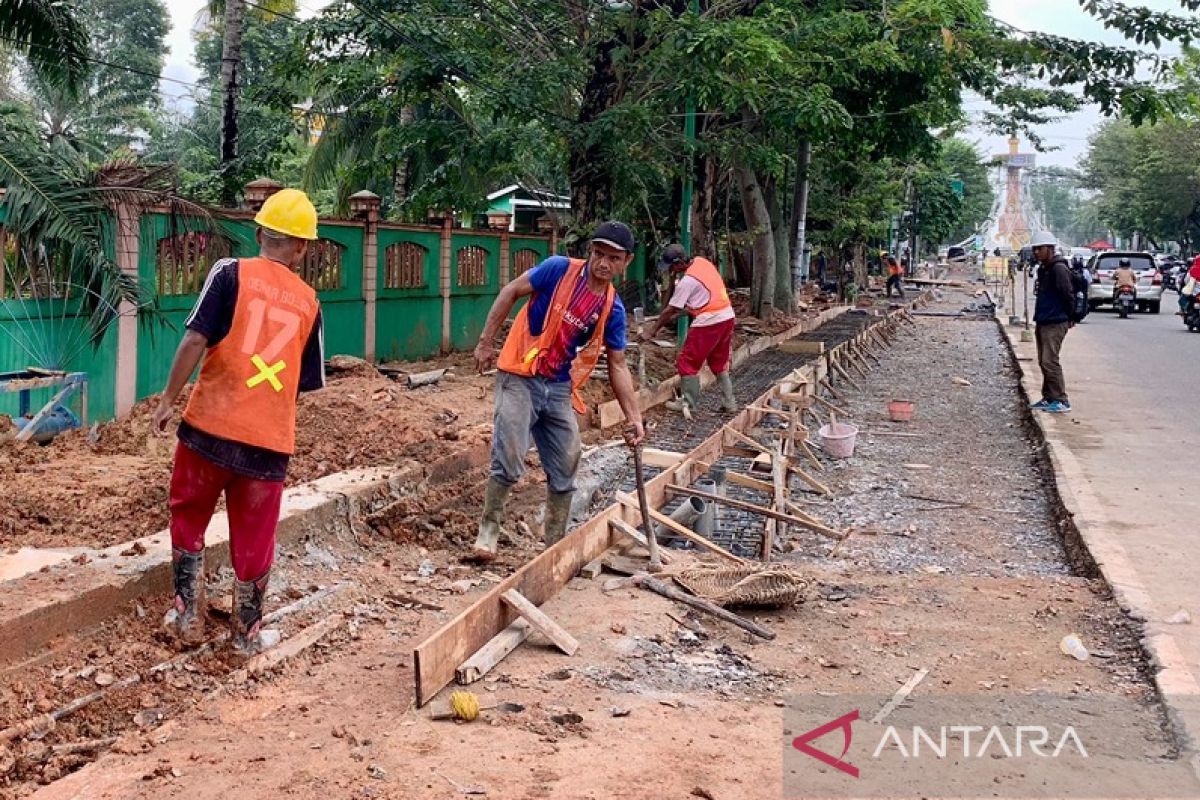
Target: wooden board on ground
<point x="488" y="656"/>
<point x="541" y="622"/>
<point x="436" y="659"/>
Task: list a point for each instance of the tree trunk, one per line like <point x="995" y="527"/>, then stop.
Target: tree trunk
<point x="704" y="240"/>
<point x="799" y="222"/>
<point x="758" y="222"/>
<point x="231" y="63"/>
<point x="783" y="299"/>
<point x="400" y="170"/>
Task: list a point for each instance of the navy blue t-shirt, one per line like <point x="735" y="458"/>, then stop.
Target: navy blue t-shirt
<point x="580" y="319"/>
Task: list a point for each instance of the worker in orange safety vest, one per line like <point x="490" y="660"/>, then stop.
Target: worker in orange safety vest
<point x="700" y="293"/>
<point x="555" y="342"/>
<point x="257" y="327"/>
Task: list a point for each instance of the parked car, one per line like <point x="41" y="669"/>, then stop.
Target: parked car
<point x="1150" y="284"/>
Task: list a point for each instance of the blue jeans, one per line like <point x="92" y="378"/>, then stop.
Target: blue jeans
<point x="538" y="409"/>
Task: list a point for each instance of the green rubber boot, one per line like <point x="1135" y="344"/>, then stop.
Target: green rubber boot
<point x="489" y="524"/>
<point x="690" y="387"/>
<point x="558" y="514"/>
<point x="729" y="402"/>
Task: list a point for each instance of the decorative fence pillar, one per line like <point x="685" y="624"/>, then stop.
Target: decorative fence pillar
<point x="128" y="220"/>
<point x="365" y="206"/>
<point x="447" y="245"/>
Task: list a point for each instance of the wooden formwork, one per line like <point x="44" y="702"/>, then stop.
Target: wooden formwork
<point x="436" y="659"/>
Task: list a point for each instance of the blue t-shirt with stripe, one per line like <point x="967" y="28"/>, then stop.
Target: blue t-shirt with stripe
<point x="580" y="320"/>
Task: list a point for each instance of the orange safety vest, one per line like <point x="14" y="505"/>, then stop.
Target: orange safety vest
<point x="248" y="384"/>
<point x="522" y="350"/>
<point x="703" y="270"/>
<point x="895" y="269"/>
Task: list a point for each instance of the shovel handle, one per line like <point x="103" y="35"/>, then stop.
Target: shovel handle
<point x="644" y="507"/>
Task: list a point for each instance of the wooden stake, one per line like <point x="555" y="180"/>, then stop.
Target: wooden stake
<point x="827" y="386"/>
<point x="541" y="622"/>
<point x="834" y="409"/>
<point x="680" y="530"/>
<point x="779" y="476"/>
<point x="738" y="479"/>
<point x="842" y="371"/>
<point x="753" y="509"/>
<point x="650" y="583"/>
<point x="623" y="527"/>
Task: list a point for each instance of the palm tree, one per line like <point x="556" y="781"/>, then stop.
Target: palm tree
<point x="51" y="35"/>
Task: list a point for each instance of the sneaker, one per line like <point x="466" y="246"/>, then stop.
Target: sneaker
<point x="1058" y="407"/>
<point x="1040" y="405"/>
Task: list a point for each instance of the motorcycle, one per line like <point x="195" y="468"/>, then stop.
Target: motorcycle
<point x="1125" y="300"/>
<point x="1191" y="316"/>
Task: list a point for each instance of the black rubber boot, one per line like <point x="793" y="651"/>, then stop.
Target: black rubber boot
<point x="185" y="619"/>
<point x="248" y="636"/>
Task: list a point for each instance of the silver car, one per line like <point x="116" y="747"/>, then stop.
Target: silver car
<point x="1149" y="286"/>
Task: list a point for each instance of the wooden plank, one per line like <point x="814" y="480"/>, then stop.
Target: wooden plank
<point x="801" y="347"/>
<point x="623" y="527"/>
<point x="779" y="478"/>
<point x="492" y="653"/>
<point x="661" y="459"/>
<point x="746" y="440"/>
<point x="831" y="406"/>
<point x="754" y="509"/>
<point x="592" y="569"/>
<point x="842" y="371"/>
<point x="31" y="427"/>
<point x="541" y="622"/>
<point x="811" y="481"/>
<point x="738" y="479"/>
<point x="827" y="386"/>
<point x="436" y="659"/>
<point x="680" y="530"/>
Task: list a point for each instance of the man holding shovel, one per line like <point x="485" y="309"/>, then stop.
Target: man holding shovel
<point x="552" y="348"/>
<point x="700" y="293"/>
<point x="257" y="326"/>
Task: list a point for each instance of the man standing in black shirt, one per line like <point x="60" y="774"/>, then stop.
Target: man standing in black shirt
<point x="1054" y="317"/>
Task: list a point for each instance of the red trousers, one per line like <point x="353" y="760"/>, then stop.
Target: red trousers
<point x="252" y="506"/>
<point x="711" y="343"/>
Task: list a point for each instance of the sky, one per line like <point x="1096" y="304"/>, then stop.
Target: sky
<point x="1060" y="17"/>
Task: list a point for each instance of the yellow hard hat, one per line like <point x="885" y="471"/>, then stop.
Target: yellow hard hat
<point x="290" y="212"/>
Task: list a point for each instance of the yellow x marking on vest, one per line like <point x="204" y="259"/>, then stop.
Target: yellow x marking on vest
<point x="266" y="373"/>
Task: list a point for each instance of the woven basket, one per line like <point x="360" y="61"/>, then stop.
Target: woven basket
<point x="746" y="586"/>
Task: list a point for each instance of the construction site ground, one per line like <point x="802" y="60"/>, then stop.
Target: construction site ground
<point x="960" y="562"/>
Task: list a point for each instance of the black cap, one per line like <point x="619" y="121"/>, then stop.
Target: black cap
<point x="615" y="234"/>
<point x="674" y="254"/>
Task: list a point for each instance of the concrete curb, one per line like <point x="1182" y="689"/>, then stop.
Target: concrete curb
<point x="69" y="597"/>
<point x="1177" y="687"/>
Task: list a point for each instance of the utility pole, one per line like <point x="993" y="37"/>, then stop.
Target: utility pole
<point x="689" y="183"/>
<point x="231" y="65"/>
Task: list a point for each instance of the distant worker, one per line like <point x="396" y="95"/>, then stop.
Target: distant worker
<point x="257" y="326"/>
<point x="895" y="274"/>
<point x="553" y="346"/>
<point x="700" y="292"/>
<point x="1054" y="315"/>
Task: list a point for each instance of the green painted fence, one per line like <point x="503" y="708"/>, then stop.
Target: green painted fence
<point x="173" y="262"/>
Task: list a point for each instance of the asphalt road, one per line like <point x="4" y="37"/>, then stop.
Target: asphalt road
<point x="1134" y="439"/>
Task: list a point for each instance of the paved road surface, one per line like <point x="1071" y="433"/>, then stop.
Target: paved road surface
<point x="1134" y="435"/>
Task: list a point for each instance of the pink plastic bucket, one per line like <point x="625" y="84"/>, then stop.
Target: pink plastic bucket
<point x="838" y="440"/>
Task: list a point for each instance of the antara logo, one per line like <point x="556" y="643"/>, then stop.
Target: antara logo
<point x="843" y="722"/>
<point x="978" y="742"/>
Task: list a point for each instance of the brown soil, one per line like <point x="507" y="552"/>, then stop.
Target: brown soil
<point x="655" y="703"/>
<point x="98" y="489"/>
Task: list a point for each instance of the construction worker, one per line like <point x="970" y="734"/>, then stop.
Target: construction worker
<point x="573" y="312"/>
<point x="895" y="274"/>
<point x="701" y="293"/>
<point x="257" y="326"/>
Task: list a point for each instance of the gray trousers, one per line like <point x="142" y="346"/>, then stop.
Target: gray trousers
<point x="1049" y="345"/>
<point x="537" y="409"/>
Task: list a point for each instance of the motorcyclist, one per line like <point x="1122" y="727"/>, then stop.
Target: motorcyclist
<point x="1189" y="287"/>
<point x="1124" y="277"/>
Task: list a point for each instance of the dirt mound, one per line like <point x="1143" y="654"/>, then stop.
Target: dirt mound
<point x="98" y="487"/>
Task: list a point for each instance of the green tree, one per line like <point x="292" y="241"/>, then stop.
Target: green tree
<point x="52" y="35"/>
